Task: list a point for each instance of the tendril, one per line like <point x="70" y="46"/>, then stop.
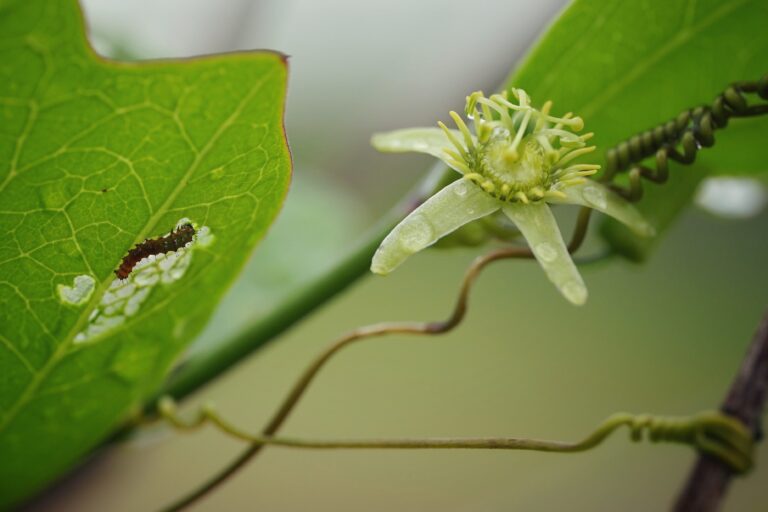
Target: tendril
<point x="681" y="138"/>
<point x="371" y="331"/>
<point x="710" y="432"/>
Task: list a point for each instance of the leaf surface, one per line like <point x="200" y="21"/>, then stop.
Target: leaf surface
<point x="627" y="66"/>
<point x="96" y="156"/>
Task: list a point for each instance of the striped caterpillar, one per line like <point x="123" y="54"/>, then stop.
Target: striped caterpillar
<point x="153" y="246"/>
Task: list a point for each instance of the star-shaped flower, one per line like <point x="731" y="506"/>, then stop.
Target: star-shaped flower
<point x="517" y="160"/>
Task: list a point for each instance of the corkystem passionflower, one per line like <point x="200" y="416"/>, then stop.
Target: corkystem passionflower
<point x="517" y="160"/>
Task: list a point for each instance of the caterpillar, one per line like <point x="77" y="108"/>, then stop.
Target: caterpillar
<point x="173" y="241"/>
<point x="692" y="130"/>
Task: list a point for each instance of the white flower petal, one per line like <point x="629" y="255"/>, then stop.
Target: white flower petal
<point x="455" y="205"/>
<point x="432" y="141"/>
<point x="538" y="226"/>
<point x="596" y="195"/>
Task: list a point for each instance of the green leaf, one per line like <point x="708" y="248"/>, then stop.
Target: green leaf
<point x="96" y="156"/>
<point x="628" y="66"/>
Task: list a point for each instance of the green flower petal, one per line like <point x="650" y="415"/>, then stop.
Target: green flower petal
<point x="455" y="205"/>
<point x="538" y="226"/>
<point x="596" y="195"/>
<point x="432" y="141"/>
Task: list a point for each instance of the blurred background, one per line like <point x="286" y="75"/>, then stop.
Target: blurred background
<point x="664" y="338"/>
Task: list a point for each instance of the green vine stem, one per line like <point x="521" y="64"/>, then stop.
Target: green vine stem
<point x="711" y="432"/>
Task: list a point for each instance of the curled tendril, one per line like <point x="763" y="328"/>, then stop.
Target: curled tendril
<point x="710" y="432"/>
<point x="680" y="139"/>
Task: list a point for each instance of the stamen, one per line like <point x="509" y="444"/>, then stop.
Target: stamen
<point x="503" y="112"/>
<point x="471" y="103"/>
<point x="463" y="129"/>
<point x="556" y="194"/>
<point x="568" y="154"/>
<point x="459" y="164"/>
<point x="553" y="146"/>
<point x="543" y="117"/>
<point x="576" y="123"/>
<point x="501" y="100"/>
<point x="583" y="167"/>
<point x="453" y="140"/>
<point x="521" y="130"/>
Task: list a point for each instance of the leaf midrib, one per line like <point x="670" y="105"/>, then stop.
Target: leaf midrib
<point x="686" y="34"/>
<point x="150" y="226"/>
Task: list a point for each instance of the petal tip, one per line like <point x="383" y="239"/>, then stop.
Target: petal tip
<point x="575" y="292"/>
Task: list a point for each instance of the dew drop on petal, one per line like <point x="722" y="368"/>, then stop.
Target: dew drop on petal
<point x="595" y="197"/>
<point x="546" y="252"/>
<point x="416" y="234"/>
<point x="575" y="292"/>
<point x="461" y="188"/>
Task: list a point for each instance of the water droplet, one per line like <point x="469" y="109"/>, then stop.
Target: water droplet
<point x="217" y="173"/>
<point x="416" y="234"/>
<point x="500" y="133"/>
<point x="595" y="197"/>
<point x="461" y="188"/>
<point x="575" y="292"/>
<point x="546" y="252"/>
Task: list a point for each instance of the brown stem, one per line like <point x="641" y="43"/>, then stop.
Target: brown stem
<point x="425" y="328"/>
<point x="709" y="479"/>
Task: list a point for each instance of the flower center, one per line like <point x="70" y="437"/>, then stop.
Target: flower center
<point x="518" y="153"/>
<point x="513" y="170"/>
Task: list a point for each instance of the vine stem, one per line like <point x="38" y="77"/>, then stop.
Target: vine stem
<point x="709" y="479"/>
<point x="371" y="331"/>
<point x="711" y="432"/>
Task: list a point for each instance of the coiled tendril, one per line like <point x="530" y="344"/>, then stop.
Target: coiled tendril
<point x="690" y="131"/>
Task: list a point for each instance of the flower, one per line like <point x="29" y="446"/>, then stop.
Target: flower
<point x="517" y="160"/>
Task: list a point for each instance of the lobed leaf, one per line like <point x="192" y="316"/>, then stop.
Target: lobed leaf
<point x="96" y="156"/>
